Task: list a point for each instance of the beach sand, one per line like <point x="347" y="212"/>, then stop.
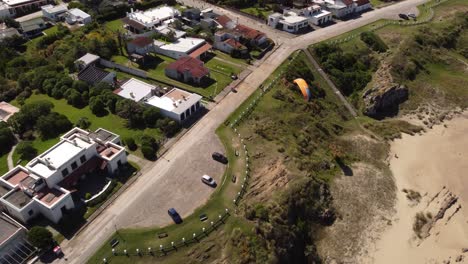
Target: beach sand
<point x="435" y="164"/>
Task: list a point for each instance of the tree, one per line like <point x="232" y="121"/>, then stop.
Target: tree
<point x="40" y="237"/>
<point x="131" y="111"/>
<point x="7" y="139"/>
<point x="52" y="125"/>
<point x="83" y="123"/>
<point x="130" y="142"/>
<point x="168" y="127"/>
<point x="26" y="118"/>
<point x="97" y="106"/>
<point x="149" y="146"/>
<point x="26" y="150"/>
<point x="151" y="115"/>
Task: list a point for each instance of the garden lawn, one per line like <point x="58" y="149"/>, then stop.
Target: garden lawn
<point x="110" y="122"/>
<point x="3" y="164"/>
<point x="156" y="70"/>
<point x="114" y="25"/>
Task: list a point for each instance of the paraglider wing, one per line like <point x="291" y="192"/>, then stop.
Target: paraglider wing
<point x="304" y="88"/>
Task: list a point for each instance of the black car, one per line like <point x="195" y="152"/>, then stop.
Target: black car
<point x="404" y="16"/>
<point x="174" y="215"/>
<point x="219" y="157"/>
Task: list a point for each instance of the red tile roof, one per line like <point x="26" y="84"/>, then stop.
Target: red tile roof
<point x="142" y="41"/>
<point x="235" y="44"/>
<point x="249" y="33"/>
<point x="223" y="20"/>
<point x="196" y="53"/>
<point x="362" y="2"/>
<point x="194" y="66"/>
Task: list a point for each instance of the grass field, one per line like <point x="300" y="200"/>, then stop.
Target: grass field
<point x="156" y="69"/>
<point x="110" y="122"/>
<point x="3" y="164"/>
<point x="260" y="12"/>
<point x="115" y="25"/>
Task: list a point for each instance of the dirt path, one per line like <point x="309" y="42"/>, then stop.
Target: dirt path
<point x="434" y="165"/>
<point x="11" y="165"/>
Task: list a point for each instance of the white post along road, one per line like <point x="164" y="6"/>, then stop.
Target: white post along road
<point x="175" y="180"/>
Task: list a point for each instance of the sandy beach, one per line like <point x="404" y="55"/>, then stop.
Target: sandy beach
<point x="435" y="165"/>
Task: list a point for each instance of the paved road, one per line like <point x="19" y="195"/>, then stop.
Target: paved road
<point x="173" y="181"/>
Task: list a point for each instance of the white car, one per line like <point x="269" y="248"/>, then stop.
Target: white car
<point x="208" y="180"/>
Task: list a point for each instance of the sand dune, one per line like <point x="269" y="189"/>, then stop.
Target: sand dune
<point x="434" y="164"/>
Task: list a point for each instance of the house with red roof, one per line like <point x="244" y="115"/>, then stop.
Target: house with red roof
<point x="228" y="41"/>
<point x="188" y="70"/>
<point x="251" y="35"/>
<point x="140" y="45"/>
<point x="225" y="22"/>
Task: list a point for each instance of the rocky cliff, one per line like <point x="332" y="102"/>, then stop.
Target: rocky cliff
<point x="385" y="96"/>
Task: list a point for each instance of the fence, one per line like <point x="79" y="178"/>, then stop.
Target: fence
<point x="112" y="65"/>
<point x="393" y="22"/>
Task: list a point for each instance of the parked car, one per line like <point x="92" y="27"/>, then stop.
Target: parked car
<point x="174" y="215"/>
<point x="219" y="157"/>
<point x="208" y="180"/>
<point x="413" y="16"/>
<point x="403" y="16"/>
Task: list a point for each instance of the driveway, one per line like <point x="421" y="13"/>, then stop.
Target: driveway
<point x="173" y="181"/>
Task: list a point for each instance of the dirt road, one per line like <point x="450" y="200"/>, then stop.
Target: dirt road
<point x="173" y="181"/>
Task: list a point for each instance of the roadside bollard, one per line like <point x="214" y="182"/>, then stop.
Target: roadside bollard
<point x="113" y="251"/>
<point x="104" y="260"/>
<point x="125" y="252"/>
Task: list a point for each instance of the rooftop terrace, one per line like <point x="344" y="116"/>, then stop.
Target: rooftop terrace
<point x="18" y="198"/>
<point x="49" y="196"/>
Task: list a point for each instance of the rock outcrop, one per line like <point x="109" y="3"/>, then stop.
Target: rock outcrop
<point x="385" y="96"/>
<point x="383" y="101"/>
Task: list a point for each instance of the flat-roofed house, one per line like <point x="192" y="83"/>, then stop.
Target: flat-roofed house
<point x="43" y="185"/>
<point x="32" y="27"/>
<point x="183" y="47"/>
<point x="14" y="247"/>
<point x="15" y="8"/>
<point x="188" y="69"/>
<point x="54" y="13"/>
<point x="177" y="104"/>
<point x="89" y="72"/>
<point x="136" y="90"/>
<point x="143" y="21"/>
<point x="79" y="16"/>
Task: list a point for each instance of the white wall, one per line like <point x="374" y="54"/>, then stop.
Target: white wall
<point x="54" y="214"/>
<point x="22" y="214"/>
<point x="58" y="177"/>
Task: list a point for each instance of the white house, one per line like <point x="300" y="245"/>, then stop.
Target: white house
<point x="362" y="5"/>
<point x="177" y="104"/>
<point x="13" y="242"/>
<point x="54" y="13"/>
<point x="76" y="15"/>
<point x="193" y="47"/>
<point x="136" y="90"/>
<point x="42" y="186"/>
<point x="288" y="23"/>
<point x="142" y="21"/>
<point x="292" y="20"/>
<point x="13" y="8"/>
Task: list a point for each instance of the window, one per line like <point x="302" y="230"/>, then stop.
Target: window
<point x="74" y="165"/>
<point x="65" y="172"/>
<point x="31" y="212"/>
<point x="83" y="159"/>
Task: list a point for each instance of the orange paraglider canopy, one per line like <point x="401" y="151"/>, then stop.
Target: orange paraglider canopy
<point x="304" y="88"/>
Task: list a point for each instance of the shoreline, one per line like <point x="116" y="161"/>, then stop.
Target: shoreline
<point x="434" y="165"/>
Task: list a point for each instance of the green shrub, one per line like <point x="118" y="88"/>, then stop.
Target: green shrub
<point x="26" y="150"/>
<point x="374" y="41"/>
<point x="130" y="143"/>
<point x="40" y="237"/>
